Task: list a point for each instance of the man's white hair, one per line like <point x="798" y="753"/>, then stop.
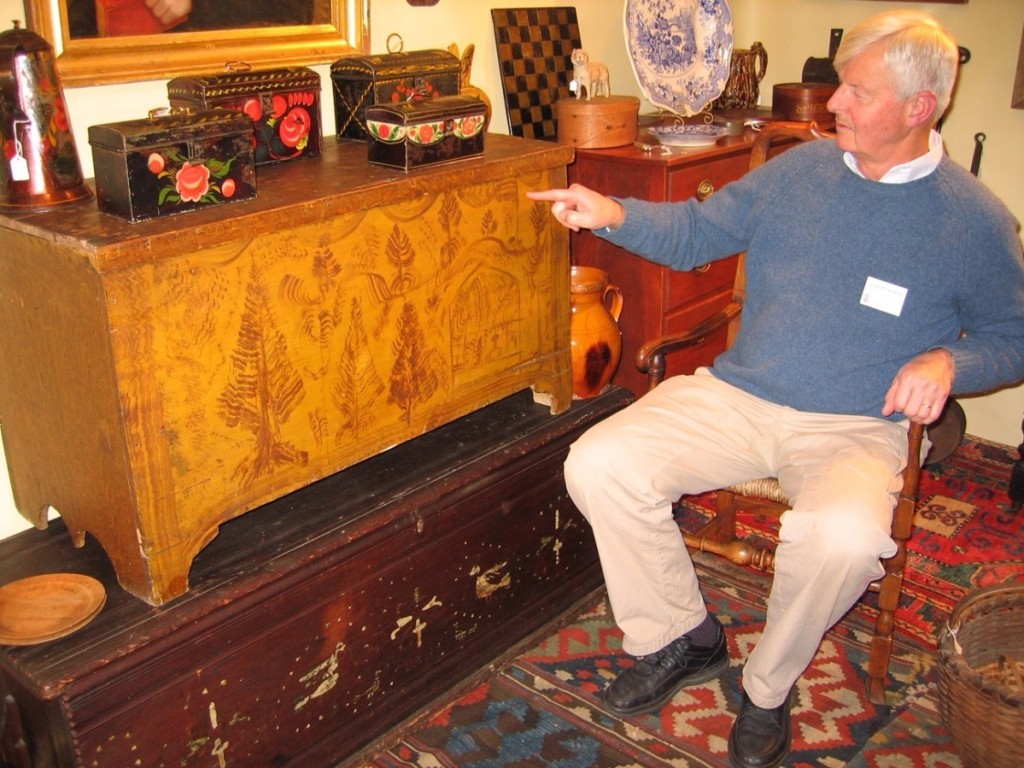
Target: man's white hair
<point x="920" y="54"/>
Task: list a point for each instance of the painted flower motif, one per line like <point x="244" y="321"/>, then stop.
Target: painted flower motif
<point x="413" y="92"/>
<point x="426" y="133"/>
<point x="294" y="128"/>
<point x="386" y="132"/>
<point x="279" y="105"/>
<point x="305" y="98"/>
<point x="193" y="181"/>
<point x="59" y="126"/>
<point x="253" y="108"/>
<point x="285" y="128"/>
<point x="468" y="127"/>
<point x="60" y="116"/>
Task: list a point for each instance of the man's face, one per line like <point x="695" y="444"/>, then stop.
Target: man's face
<point x="871" y="121"/>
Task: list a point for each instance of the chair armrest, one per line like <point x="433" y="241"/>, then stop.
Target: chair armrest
<point x="650" y="358"/>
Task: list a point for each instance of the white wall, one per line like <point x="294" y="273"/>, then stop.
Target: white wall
<point x="791" y="30"/>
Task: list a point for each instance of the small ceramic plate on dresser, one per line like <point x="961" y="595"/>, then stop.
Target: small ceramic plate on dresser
<point x="700" y="135"/>
<point x="680" y="50"/>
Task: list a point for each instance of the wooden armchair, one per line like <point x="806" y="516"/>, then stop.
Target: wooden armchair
<point x="766" y="496"/>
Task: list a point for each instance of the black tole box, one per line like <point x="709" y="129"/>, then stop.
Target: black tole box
<point x="413" y="134"/>
<point x="172" y="163"/>
<point x="363" y="81"/>
<point x="283" y="104"/>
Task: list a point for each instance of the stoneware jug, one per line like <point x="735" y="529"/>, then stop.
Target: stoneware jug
<point x="596" y="338"/>
<point x="40" y="168"/>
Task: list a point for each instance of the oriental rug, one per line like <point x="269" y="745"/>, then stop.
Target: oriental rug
<point x="543" y="707"/>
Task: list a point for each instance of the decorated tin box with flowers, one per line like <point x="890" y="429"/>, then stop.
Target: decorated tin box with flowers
<point x="361" y="82"/>
<point x="172" y="163"/>
<point x="412" y="134"/>
<point x="284" y="105"/>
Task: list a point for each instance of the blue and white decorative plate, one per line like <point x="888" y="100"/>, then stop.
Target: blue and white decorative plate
<point x="680" y="51"/>
<point x="689" y="135"/>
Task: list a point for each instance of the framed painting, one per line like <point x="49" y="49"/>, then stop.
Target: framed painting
<point x="100" y="42"/>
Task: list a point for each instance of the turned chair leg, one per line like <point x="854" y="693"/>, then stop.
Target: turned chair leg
<point x="880" y="650"/>
<point x="719" y="537"/>
<point x="1016" y="489"/>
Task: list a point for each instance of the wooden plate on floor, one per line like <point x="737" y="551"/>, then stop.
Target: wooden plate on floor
<point x="41" y="608"/>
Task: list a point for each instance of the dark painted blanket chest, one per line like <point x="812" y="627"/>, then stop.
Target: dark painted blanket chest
<point x="318" y="622"/>
<point x="360" y="82"/>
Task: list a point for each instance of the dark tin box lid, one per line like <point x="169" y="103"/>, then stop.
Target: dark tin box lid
<point x="204" y="87"/>
<point x="393" y="65"/>
<point x="168" y="128"/>
<point x="411" y="112"/>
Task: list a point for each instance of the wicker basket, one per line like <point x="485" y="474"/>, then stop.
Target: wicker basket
<point x="981" y="677"/>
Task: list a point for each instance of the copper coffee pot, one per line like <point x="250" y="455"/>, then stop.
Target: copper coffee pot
<point x="39" y="168"/>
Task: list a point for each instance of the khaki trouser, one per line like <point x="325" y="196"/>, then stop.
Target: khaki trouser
<point x="696" y="433"/>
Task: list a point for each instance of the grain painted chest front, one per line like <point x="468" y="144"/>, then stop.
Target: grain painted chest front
<point x="158" y="379"/>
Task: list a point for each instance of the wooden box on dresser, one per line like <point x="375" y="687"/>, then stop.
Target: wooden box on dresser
<point x="657" y="300"/>
<point x="159" y="379"/>
<point x="321" y="620"/>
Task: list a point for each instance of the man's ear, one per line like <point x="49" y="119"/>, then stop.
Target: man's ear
<point x="921" y="109"/>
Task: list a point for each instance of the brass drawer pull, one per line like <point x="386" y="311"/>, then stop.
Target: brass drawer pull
<point x="705" y="190"/>
<point x="702" y="269"/>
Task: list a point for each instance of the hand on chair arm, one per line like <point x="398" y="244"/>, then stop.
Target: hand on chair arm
<point x="921" y="386"/>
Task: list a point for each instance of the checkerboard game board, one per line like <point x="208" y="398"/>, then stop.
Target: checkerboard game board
<point x="535" y="59"/>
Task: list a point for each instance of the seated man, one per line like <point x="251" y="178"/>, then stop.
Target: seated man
<point x="880" y="277"/>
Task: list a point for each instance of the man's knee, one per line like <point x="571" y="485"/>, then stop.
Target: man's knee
<point x="592" y="455"/>
<point x="841" y="535"/>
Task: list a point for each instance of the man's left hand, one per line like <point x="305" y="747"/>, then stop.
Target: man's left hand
<point x="922" y="386"/>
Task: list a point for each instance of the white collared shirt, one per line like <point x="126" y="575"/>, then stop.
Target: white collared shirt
<point x="917" y="168"/>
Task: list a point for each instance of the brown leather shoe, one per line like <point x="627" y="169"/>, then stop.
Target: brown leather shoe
<point x="655" y="678"/>
<point x="760" y="738"/>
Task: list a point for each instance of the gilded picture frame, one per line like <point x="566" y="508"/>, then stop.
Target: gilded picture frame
<point x="107" y="60"/>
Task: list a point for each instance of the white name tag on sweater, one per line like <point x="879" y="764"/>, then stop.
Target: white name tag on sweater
<point x="883" y="296"/>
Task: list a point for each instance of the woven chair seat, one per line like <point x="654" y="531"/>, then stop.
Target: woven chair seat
<point x="766" y="488"/>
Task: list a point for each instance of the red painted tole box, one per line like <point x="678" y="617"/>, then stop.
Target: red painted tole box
<point x="284" y="105"/>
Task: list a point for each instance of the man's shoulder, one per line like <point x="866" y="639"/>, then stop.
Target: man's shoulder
<point x="819" y="160"/>
<point x="806" y="153"/>
<point x="968" y="191"/>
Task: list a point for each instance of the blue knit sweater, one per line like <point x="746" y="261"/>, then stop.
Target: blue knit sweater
<point x="814" y="233"/>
